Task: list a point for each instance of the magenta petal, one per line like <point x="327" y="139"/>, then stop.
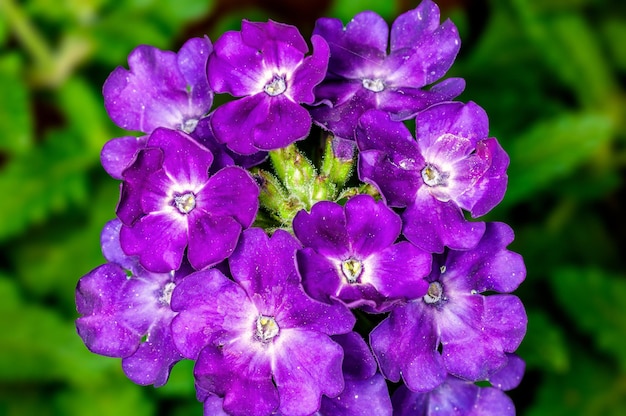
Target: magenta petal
<point x="505" y="318"/>
<point x="360" y="398"/>
<point x="405" y="345"/>
<point x="371" y="225"/>
<point x="95" y="301"/>
<point x="434" y="46"/>
<point x="358" y="361"/>
<point x="400" y="270"/>
<point x="472" y="356"/>
<point x="464" y="120"/>
<point x="136" y="177"/>
<point x="320" y="277"/>
<point x="117" y="154"/>
<point x="264" y="265"/>
<point x="234" y="67"/>
<point x="156" y="195"/>
<point x="310" y="73"/>
<point x="510" y="376"/>
<point x="211" y="239"/>
<point x="159" y="239"/>
<point x="311" y="315"/>
<point x="284" y="123"/>
<point x="453" y="397"/>
<point x="261" y="262"/>
<point x="431" y="225"/>
<point x="489" y="190"/>
<point x="112" y="249"/>
<point x="213" y="405"/>
<point x="361" y="44"/>
<point x="153" y="360"/>
<point x="154" y="92"/>
<point x="411" y="27"/>
<point x="199" y="320"/>
<point x="323" y="229"/>
<point x="192" y="61"/>
<point x="389" y="157"/>
<point x="498" y="269"/>
<point x="184" y="159"/>
<point x="300" y="390"/>
<point x="257" y="34"/>
<point x="231" y="192"/>
<point x="221" y="372"/>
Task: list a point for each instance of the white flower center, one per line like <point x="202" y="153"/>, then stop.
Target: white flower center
<point x="276" y="86"/>
<point x="434" y="177"/>
<point x="434" y="294"/>
<point x="185" y="203"/>
<point x="188" y="126"/>
<point x="266" y="328"/>
<point x="166" y="295"/>
<point x="376" y="85"/>
<point x="351" y="269"/>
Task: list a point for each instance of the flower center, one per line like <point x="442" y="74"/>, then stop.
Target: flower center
<point x="434" y="294"/>
<point x="276" y="86"/>
<point x="376" y="85"/>
<point x="266" y="328"/>
<point x="185" y="203"/>
<point x="352" y="269"/>
<point x="434" y="177"/>
<point x="188" y="126"/>
<point x="166" y="294"/>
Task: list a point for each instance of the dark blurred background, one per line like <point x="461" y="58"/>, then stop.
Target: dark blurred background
<point x="551" y="74"/>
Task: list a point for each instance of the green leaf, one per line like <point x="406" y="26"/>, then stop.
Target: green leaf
<point x="596" y="301"/>
<point x="70" y="244"/>
<point x="9" y="294"/>
<point x="544" y="347"/>
<point x="114" y="38"/>
<point x="347" y="9"/>
<point x="4" y="30"/>
<point x="180" y="11"/>
<point x="570" y="47"/>
<point x="181" y="381"/>
<point x="86" y="116"/>
<point x="16" y="123"/>
<point x="232" y="21"/>
<point x="44" y="181"/>
<point x="118" y="397"/>
<point x="66" y="12"/>
<point x="37" y="345"/>
<point x="553" y="149"/>
<point x="614" y="31"/>
<point x="590" y="388"/>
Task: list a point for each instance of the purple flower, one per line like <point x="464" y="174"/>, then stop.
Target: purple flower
<point x="361" y="76"/>
<point x="453" y="397"/>
<point x="473" y="332"/>
<point x="265" y="65"/>
<point x="461" y="397"/>
<point x="365" y="391"/>
<point x="260" y="342"/>
<point x="350" y="253"/>
<point x="452" y="166"/>
<point x="119" y="153"/>
<point x="170" y="203"/>
<point x="161" y="89"/>
<point x="128" y="317"/>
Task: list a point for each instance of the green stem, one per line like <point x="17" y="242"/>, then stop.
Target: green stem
<point x="27" y="34"/>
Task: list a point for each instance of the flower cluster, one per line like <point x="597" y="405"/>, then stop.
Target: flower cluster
<point x="295" y="287"/>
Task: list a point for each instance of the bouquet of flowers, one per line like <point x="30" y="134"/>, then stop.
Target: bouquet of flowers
<point x="310" y="243"/>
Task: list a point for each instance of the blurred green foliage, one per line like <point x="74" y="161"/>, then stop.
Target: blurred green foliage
<point x="551" y="74"/>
